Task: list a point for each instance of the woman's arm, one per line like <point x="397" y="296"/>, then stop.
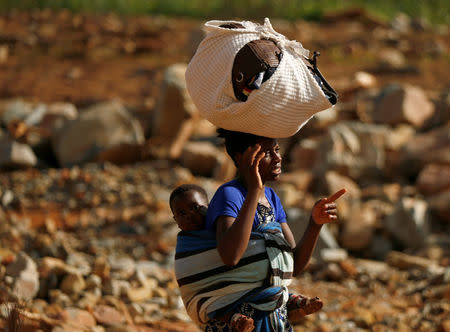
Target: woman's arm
<point x="233" y="234"/>
<point x="323" y="212"/>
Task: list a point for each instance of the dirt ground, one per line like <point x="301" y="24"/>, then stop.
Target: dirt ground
<point x="53" y="57"/>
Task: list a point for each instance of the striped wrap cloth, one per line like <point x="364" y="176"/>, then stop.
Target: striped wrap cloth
<point x="207" y="284"/>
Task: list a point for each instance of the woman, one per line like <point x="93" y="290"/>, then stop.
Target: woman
<point x="245" y="205"/>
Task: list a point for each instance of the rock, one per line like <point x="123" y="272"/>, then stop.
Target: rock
<point x="54" y="266"/>
<point x="300" y="179"/>
<point x="356" y="149"/>
<point x="398" y="104"/>
<point x="15" y="109"/>
<point x="204" y="159"/>
<point x="333" y="255"/>
<point x="403" y="261"/>
<point x="115" y="287"/>
<point x="298" y="222"/>
<point x="305" y="154"/>
<point x="79" y="317"/>
<point x="175" y="115"/>
<point x="73" y="284"/>
<point x="16" y="155"/>
<point x="25" y="276"/>
<point x="80" y="262"/>
<point x="389" y="58"/>
<point x="359" y="228"/>
<point x="433" y="179"/>
<point x="429" y="147"/>
<point x="103" y="125"/>
<point x="121" y="267"/>
<point x="107" y="315"/>
<point x="139" y="294"/>
<point x="409" y="223"/>
<point x="440" y="204"/>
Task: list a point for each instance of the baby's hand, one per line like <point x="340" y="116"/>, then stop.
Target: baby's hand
<point x="324" y="211"/>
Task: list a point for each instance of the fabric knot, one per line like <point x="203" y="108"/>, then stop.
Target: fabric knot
<point x="266" y="31"/>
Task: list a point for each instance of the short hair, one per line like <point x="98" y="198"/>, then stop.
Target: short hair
<point x="183" y="189"/>
<point x="238" y="142"/>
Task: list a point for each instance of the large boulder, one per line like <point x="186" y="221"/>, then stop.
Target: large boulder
<point x="205" y="159"/>
<point x="174" y="117"/>
<point x="355" y="149"/>
<point x="409" y="223"/>
<point x="430" y="147"/>
<point x="98" y="128"/>
<point x="398" y="104"/>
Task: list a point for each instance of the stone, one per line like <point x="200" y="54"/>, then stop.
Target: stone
<point x="25" y="276"/>
<point x="409" y="223"/>
<point x="107" y="315"/>
<point x="139" y="294"/>
<point x="121" y="267"/>
<point x="389" y="58"/>
<point x="333" y="255"/>
<point x="175" y="115"/>
<point x="300" y="179"/>
<point x="16" y="155"/>
<point x="425" y="148"/>
<point x="15" y="109"/>
<point x="433" y="179"/>
<point x="440" y="204"/>
<point x="304" y="154"/>
<point x="116" y="287"/>
<point x="73" y="284"/>
<point x="79" y="317"/>
<point x="356" y="149"/>
<point x="103" y="125"/>
<point x="298" y="221"/>
<point x="398" y="104"/>
<point x="404" y="261"/>
<point x="202" y="158"/>
<point x="358" y="230"/>
<point x="56" y="266"/>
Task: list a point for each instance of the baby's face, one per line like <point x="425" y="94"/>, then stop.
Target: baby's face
<point x="189" y="210"/>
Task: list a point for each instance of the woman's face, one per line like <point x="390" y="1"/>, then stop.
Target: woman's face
<point x="270" y="164"/>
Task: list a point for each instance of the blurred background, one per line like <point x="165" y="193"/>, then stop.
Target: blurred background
<point x="97" y="128"/>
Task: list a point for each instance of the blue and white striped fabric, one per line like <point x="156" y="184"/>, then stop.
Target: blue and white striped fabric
<point x="261" y="277"/>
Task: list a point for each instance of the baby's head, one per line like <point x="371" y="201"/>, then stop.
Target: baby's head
<point x="189" y="203"/>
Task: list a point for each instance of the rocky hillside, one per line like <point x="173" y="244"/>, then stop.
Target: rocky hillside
<point x="96" y="129"/>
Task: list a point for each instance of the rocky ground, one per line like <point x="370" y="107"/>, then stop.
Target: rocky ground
<point x="97" y="129"/>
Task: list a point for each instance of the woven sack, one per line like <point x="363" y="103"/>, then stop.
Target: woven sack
<point x="278" y="109"/>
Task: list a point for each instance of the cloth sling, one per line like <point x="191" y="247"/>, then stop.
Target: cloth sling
<point x="208" y="285"/>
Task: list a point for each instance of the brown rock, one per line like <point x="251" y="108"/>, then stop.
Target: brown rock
<point x="403" y="104"/>
<point x="359" y="228"/>
<point x="79" y="317"/>
<point x="433" y="179"/>
<point x="175" y="115"/>
<point x="440" y="204"/>
<point x="108" y="315"/>
<point x="404" y="261"/>
<point x="73" y="284"/>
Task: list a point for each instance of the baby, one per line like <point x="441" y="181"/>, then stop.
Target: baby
<point x="189" y="203"/>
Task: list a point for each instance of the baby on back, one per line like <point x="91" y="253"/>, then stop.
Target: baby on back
<point x="189" y="203"/>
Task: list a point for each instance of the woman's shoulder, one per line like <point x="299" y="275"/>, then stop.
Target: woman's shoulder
<point x="231" y="187"/>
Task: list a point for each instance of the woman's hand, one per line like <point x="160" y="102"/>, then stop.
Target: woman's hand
<point x="324" y="211"/>
<point x="249" y="166"/>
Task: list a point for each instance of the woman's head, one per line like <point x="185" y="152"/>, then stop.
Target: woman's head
<point x="237" y="142"/>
